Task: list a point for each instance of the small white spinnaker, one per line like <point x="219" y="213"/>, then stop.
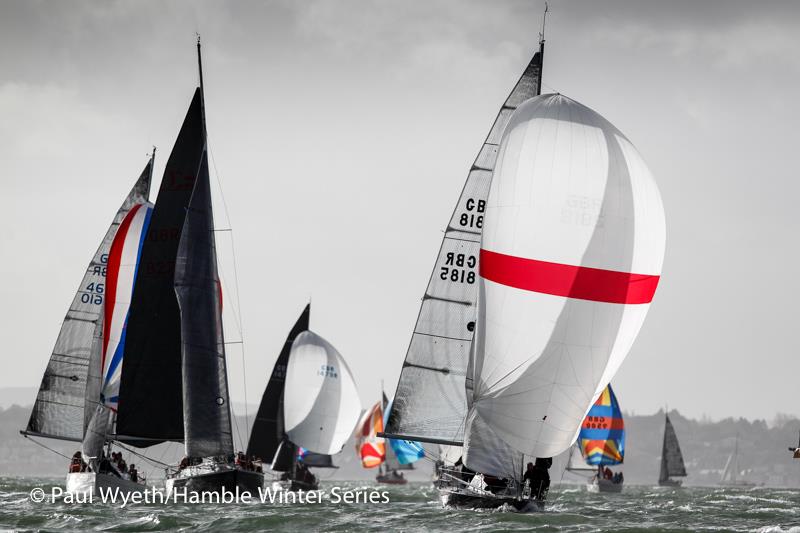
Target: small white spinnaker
<point x="321" y="406"/>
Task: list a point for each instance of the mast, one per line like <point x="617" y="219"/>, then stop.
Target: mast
<point x="541" y="51"/>
<point x="202" y="89"/>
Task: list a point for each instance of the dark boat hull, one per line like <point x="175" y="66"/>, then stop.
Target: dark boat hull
<point x="230" y="480"/>
<point x="674" y="483"/>
<point x="391" y="480"/>
<point x="464" y="500"/>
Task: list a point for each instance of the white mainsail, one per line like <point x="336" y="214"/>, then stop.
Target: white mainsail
<point x="571" y="254"/>
<point x="321" y="406"/>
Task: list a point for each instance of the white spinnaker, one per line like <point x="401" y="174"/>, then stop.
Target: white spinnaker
<point x="321" y="406"/>
<point x="569" y="192"/>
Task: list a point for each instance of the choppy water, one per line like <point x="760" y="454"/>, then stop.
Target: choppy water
<point x="414" y="507"/>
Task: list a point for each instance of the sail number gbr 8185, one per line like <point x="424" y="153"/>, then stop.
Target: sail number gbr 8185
<point x="459" y="268"/>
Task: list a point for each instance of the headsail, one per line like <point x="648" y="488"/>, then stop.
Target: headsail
<point x="602" y="435"/>
<point x="571" y="254"/>
<point x="268" y="432"/>
<point x="61" y="410"/>
<point x="321" y="406"/>
<point x="152" y="378"/>
<point x="206" y="403"/>
<point x="430" y="403"/>
<point x="671" y="456"/>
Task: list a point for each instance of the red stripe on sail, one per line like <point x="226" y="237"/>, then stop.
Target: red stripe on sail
<point x="112" y="274"/>
<point x="570" y="281"/>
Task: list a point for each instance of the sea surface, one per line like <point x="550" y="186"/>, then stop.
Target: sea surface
<point x="414" y="507"/>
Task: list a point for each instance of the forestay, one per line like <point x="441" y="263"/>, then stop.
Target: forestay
<point x="572" y="250"/>
<point x="61" y="409"/>
<point x="430" y="403"/>
<point x="321" y="406"/>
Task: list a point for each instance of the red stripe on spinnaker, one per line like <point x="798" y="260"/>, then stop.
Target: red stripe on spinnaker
<point x="112" y="275"/>
<point x="570" y="281"/>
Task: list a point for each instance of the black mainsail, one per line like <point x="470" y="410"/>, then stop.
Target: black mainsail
<point x="671" y="457"/>
<point x="64" y="405"/>
<point x="152" y="377"/>
<point x="430" y="404"/>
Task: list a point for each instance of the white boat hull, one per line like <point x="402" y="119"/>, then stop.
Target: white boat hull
<point x="91" y="483"/>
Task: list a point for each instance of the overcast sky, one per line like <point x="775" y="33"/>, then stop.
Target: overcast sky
<point x="342" y="133"/>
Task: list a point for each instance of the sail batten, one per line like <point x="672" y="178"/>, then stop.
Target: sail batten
<point x="430" y="405"/>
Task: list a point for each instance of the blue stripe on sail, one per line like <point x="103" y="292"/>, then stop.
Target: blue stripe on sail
<point x="117" y="358"/>
<point x="602" y="434"/>
<point x="145" y="225"/>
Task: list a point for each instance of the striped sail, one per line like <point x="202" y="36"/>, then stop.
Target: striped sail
<point x="123" y="262"/>
<point x="571" y="254"/>
<point x="602" y="435"/>
<point x="370" y="447"/>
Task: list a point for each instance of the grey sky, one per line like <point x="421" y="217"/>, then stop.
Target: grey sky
<point x="342" y="132"/>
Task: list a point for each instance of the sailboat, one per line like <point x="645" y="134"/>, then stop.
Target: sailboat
<point x="732" y="470"/>
<point x="174" y="381"/>
<point x="671" y="457"/>
<point x="601" y="441"/>
<point x="309" y="409"/>
<point x="400" y="454"/>
<point x="562" y="284"/>
<point x="389" y="456"/>
<point x="79" y="388"/>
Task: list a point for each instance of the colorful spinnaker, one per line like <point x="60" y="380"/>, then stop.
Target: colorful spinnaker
<point x="602" y="435"/>
<point x="123" y="262"/>
<point x="370" y="447"/>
